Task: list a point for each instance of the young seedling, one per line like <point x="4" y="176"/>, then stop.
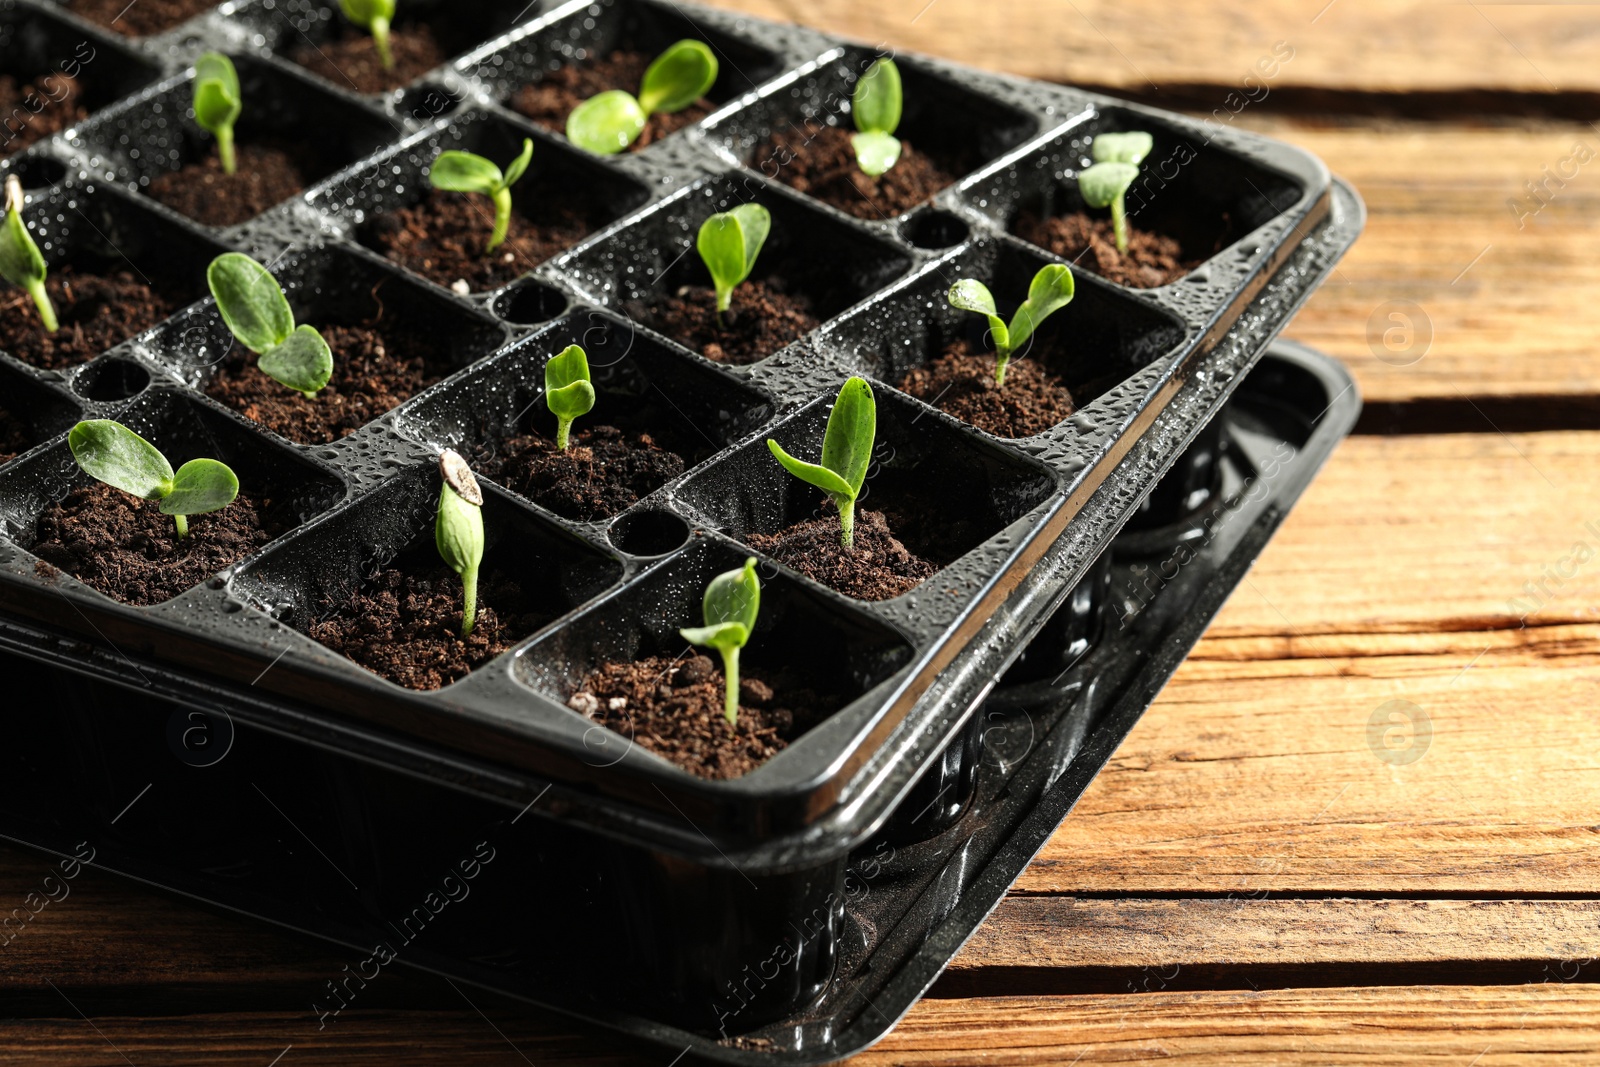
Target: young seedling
<point x="111" y="453"/>
<point x="1116" y="166"/>
<point x="846" y="452"/>
<point x="458" y="530"/>
<point x="258" y="315"/>
<point x="567" y="390"/>
<point x="1049" y="292"/>
<point x="217" y="102"/>
<point x="731" y="603"/>
<point x="876" y="107"/>
<point x="21" y="262"/>
<point x="373" y="16"/>
<point x="463" y="172"/>
<point x="608" y="122"/>
<point x="729" y="242"/>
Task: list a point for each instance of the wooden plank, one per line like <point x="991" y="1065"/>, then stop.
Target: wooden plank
<point x="1501" y="283"/>
<point x="1395" y="579"/>
<point x="111" y="937"/>
<point x="1051" y="932"/>
<point x="1503" y="278"/>
<point x="1454" y="539"/>
<point x="1364" y="44"/>
<point x="1262" y="780"/>
<point x="1485" y="1026"/>
<point x="452" y="1034"/>
<point x="1482" y="1026"/>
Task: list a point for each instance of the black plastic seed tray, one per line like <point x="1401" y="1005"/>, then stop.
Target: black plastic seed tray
<point x="687" y="877"/>
<point x="402" y="853"/>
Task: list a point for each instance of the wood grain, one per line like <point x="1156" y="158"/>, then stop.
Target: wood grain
<point x="1366" y="44"/>
<point x="1398" y="1025"/>
<point x="1453" y="540"/>
<point x="1504" y="281"/>
<point x="1393" y="580"/>
<point x="1051" y="932"/>
<point x="1395" y="1025"/>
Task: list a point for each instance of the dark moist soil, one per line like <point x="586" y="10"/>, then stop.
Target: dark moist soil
<point x="32" y="112"/>
<point x="551" y="99"/>
<point x="350" y="60"/>
<point x="374" y="369"/>
<point x="763" y="317"/>
<point x="961" y="381"/>
<point x="603" y="471"/>
<point x="1152" y="259"/>
<point x="140" y="19"/>
<point x="128" y="550"/>
<point x="14" y="437"/>
<point x="823" y="165"/>
<point x="408" y="628"/>
<point x="96" y="312"/>
<point x="674" y="708"/>
<point x="269" y="172"/>
<point x="442" y="237"/>
<point x="875" y="567"/>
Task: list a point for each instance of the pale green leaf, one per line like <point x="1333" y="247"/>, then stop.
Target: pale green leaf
<point x="722" y="636"/>
<point x="1130" y="147"/>
<point x="876" y="103"/>
<point x="1105" y="182"/>
<point x="250" y="302"/>
<point x="875" y="152"/>
<point x="852" y="428"/>
<point x="303" y="362"/>
<point x="677" y="77"/>
<point x="733" y="597"/>
<point x="21" y="262"/>
<point x="606" y="123"/>
<point x="515" y="169"/>
<point x="463" y="172"/>
<point x="458" y="531"/>
<point x="217" y="99"/>
<point x="812" y="474"/>
<point x="201" y="485"/>
<point x="1051" y="290"/>
<point x="111" y="453"/>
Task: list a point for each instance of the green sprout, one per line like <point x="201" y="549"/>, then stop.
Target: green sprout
<point x="373" y="16"/>
<point x="463" y="172"/>
<point x="109" y="452"/>
<point x="458" y="530"/>
<point x="729" y="242"/>
<point x="732" y="600"/>
<point x="217" y="102"/>
<point x="258" y="314"/>
<point x="21" y="262"/>
<point x="876" y="107"/>
<point x="846" y="452"/>
<point x="567" y="390"/>
<point x="1116" y="166"/>
<point x="608" y="122"/>
<point x="1050" y="291"/>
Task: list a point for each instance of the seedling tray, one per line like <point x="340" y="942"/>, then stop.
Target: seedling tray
<point x="689" y="875"/>
<point x="391" y="829"/>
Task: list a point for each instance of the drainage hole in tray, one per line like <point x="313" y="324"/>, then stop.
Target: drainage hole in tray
<point x="111" y="379"/>
<point x="529" y="302"/>
<point x="649" y="533"/>
<point x="935" y="229"/>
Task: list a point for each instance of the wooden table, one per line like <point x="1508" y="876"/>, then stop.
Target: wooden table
<point x="1246" y="880"/>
